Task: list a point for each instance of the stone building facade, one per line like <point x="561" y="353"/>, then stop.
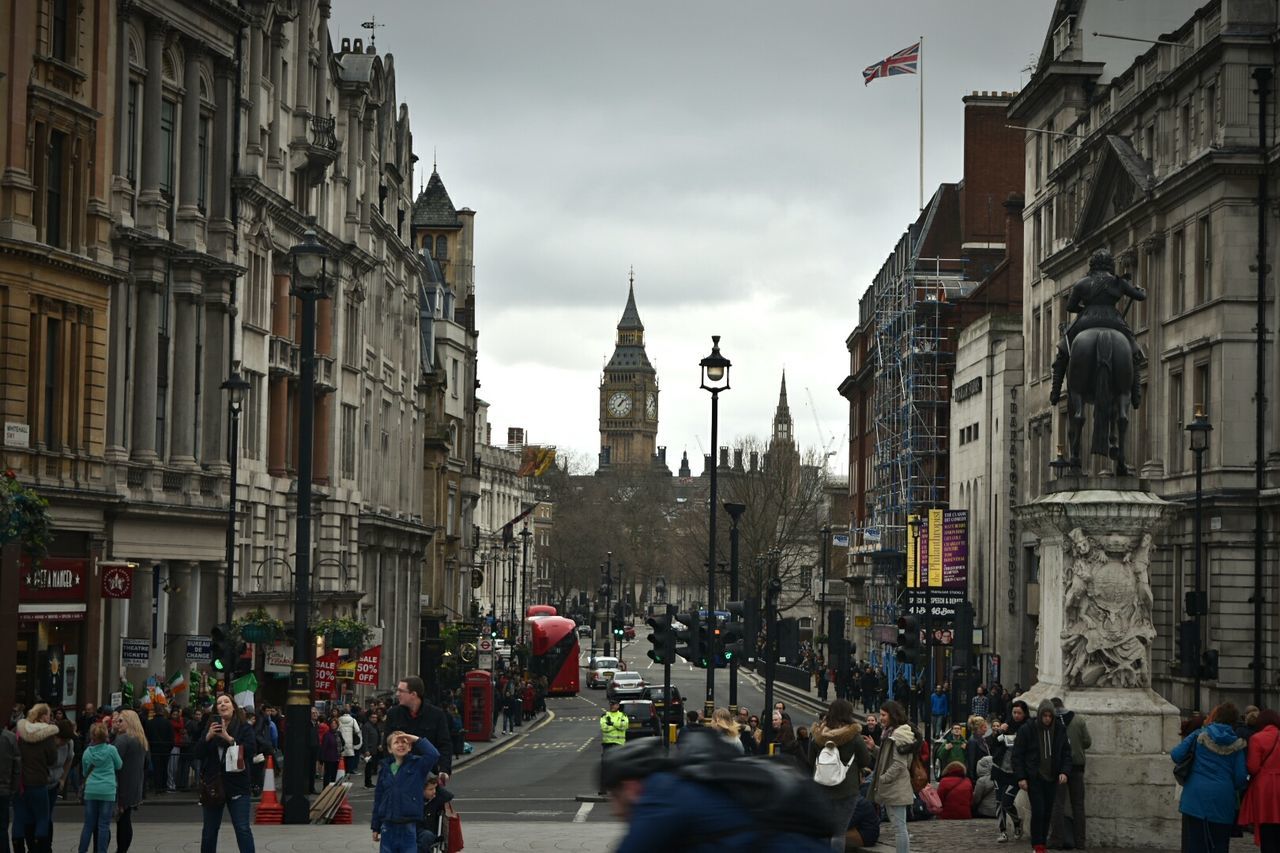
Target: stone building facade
<point x="57" y="278"/>
<point x="942" y="274"/>
<point x="444" y="236"/>
<point x="1153" y="154"/>
<point x="206" y="221"/>
<point x="986" y="459"/>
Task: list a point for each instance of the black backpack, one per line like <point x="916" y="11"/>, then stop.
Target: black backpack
<point x="781" y="799"/>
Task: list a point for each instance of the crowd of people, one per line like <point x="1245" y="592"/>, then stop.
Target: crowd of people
<point x="112" y="759"/>
<point x="1026" y="771"/>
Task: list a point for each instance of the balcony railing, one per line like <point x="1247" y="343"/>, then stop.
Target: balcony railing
<point x="282" y="356"/>
<point x="322" y="132"/>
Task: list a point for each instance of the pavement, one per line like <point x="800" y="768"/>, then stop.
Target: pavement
<point x="480" y="836"/>
<point x="187" y="799"/>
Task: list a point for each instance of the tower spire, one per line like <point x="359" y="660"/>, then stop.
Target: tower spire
<point x="783" y="426"/>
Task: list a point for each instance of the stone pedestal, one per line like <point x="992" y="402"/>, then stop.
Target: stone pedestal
<point x="1094" y="651"/>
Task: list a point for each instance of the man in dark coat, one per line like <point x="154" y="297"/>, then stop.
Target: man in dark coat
<point x="1041" y="762"/>
<point x="416" y="716"/>
<point x="159" y="733"/>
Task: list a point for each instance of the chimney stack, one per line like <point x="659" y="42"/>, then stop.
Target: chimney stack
<point x="515" y="436"/>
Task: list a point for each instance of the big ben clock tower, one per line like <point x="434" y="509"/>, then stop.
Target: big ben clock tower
<point x="628" y="395"/>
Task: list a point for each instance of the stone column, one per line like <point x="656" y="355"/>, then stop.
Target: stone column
<point x="302" y="69"/>
<point x="320" y="107"/>
<point x="117" y="369"/>
<point x="370" y="179"/>
<point x="182" y="616"/>
<point x="121" y="189"/>
<point x="151" y="204"/>
<point x="278" y="43"/>
<point x="220" y="237"/>
<point x="353" y="143"/>
<point x="139" y="625"/>
<point x="213" y="402"/>
<point x="1096" y="631"/>
<point x="280" y="301"/>
<point x="190" y="225"/>
<point x="324" y="439"/>
<point x="253" y="142"/>
<point x="277" y="425"/>
<point x="182" y="447"/>
<point x="145" y="372"/>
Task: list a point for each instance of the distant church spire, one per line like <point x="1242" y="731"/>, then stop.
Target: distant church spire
<point x="783" y="426"/>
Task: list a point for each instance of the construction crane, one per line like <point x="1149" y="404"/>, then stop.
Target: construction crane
<point x="827" y="452"/>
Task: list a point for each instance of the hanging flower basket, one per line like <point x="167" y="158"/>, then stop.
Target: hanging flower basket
<point x="258" y="626"/>
<point x="257" y="633"/>
<point x="343" y="633"/>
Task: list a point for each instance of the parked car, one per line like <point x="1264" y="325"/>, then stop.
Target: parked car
<point x="584" y="630"/>
<point x="625" y="685"/>
<point x="669" y="713"/>
<point x="600" y="670"/>
<point x="642" y="719"/>
<point x="628" y="632"/>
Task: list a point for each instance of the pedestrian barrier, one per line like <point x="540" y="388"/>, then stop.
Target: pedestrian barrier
<point x="269" y="809"/>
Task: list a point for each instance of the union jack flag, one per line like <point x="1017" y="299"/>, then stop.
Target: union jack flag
<point x="905" y="61"/>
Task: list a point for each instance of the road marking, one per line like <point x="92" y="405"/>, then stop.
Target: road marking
<point x="588" y="743"/>
<point x="551" y="715"/>
<point x="583" y="811"/>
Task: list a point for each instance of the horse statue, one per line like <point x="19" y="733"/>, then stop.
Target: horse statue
<point x="1098" y="358"/>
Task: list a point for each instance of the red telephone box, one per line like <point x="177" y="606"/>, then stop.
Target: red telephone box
<point x="477" y="703"/>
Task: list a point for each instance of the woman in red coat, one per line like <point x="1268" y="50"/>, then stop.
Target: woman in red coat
<point x="526" y="700"/>
<point x="956" y="792"/>
<point x="1261" y="805"/>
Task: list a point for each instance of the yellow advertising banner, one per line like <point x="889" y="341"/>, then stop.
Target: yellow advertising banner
<point x="935" y="549"/>
<point x="913" y="570"/>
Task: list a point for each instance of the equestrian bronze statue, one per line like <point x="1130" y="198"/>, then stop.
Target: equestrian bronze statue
<point x="1098" y="357"/>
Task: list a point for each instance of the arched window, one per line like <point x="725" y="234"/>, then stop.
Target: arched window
<point x="442" y="248"/>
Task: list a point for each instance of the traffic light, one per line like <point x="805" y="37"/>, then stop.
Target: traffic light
<point x="688" y="634"/>
<point x="908" y="632"/>
<point x="1209" y="665"/>
<point x="222" y="649"/>
<point x="1188" y="648"/>
<point x="617" y="629"/>
<point x="734" y="637"/>
<point x="663" y="639"/>
<point x="908" y="637"/>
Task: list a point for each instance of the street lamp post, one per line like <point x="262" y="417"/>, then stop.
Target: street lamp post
<point x="524" y="580"/>
<point x="735" y="515"/>
<point x="309" y="284"/>
<point x="823" y="643"/>
<point x="607" y="584"/>
<point x="236" y="387"/>
<point x="715" y="378"/>
<point x="1199" y="430"/>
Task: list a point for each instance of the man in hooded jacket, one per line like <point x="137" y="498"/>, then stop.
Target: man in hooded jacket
<point x="1041" y="762"/>
<point x="1001" y="741"/>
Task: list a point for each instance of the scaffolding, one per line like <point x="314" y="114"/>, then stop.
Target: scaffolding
<point x="914" y="302"/>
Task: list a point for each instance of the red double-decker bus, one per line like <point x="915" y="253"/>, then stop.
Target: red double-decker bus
<point x="555" y="653"/>
<point x="539" y="610"/>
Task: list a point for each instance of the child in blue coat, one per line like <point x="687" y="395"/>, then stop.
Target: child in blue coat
<point x="398" y="800"/>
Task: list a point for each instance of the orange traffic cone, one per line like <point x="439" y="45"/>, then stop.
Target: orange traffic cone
<point x="344" y="815"/>
<point x="269" y="809"/>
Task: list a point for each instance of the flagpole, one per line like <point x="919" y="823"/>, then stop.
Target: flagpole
<point x="920" y="65"/>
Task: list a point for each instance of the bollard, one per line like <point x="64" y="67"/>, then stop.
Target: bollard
<point x="672" y="731"/>
<point x="269" y="809"/>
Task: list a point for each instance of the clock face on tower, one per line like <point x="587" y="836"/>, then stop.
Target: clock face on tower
<point x="620" y="405"/>
<point x="651" y="406"/>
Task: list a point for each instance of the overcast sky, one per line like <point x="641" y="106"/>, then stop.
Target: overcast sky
<point x="727" y="149"/>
